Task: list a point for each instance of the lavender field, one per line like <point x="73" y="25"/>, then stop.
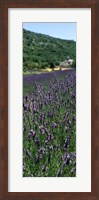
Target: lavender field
<point x="49" y="124"/>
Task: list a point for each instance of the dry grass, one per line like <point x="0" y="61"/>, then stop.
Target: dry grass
<point x="57" y="68"/>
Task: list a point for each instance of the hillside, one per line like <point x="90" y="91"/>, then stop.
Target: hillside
<point x="39" y="50"/>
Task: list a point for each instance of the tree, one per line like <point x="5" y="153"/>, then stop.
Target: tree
<point x="52" y="66"/>
<point x="73" y="64"/>
<point x="68" y="57"/>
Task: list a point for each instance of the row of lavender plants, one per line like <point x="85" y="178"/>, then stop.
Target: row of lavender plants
<point x="49" y="125"/>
